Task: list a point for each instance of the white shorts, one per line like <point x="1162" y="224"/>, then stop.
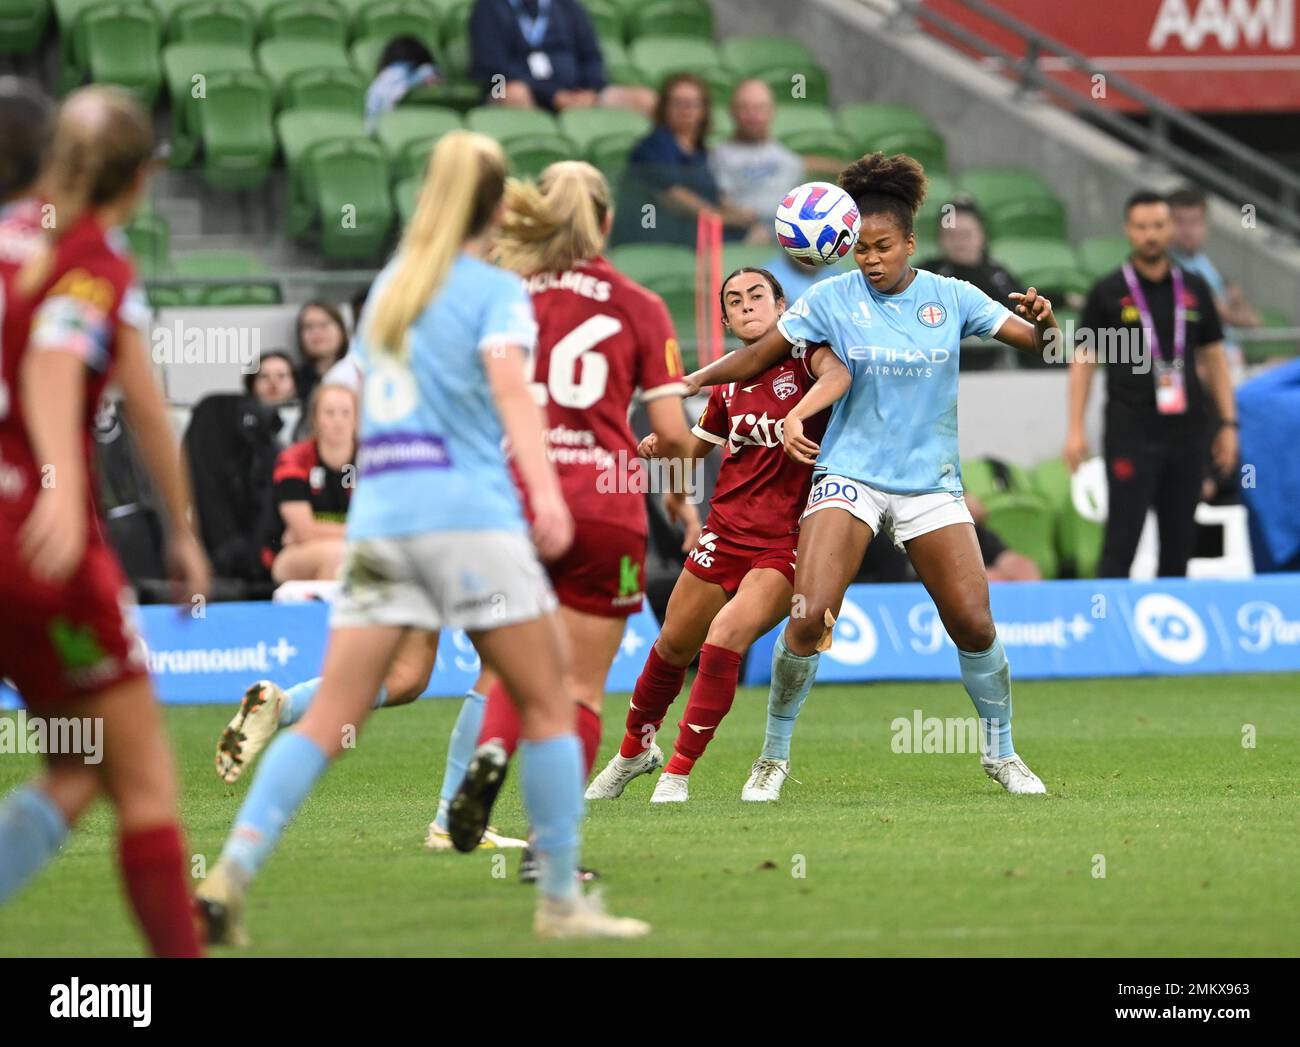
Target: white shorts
<point x="903" y="516"/>
<point x="473" y="580"/>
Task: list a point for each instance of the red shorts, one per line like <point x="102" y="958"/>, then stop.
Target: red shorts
<point x="602" y="573"/>
<point x="724" y="562"/>
<point x="65" y="641"/>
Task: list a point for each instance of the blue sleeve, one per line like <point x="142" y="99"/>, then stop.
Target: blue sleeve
<point x="804" y="323"/>
<point x="591" y="64"/>
<point x="489" y="34"/>
<point x="979" y="314"/>
<point x="507" y="315"/>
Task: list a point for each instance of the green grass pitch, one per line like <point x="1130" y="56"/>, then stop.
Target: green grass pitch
<point x="874" y="853"/>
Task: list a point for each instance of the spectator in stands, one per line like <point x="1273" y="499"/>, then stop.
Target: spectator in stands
<point x="404" y="65"/>
<point x="964" y="252"/>
<point x="1189" y="209"/>
<point x="1152" y="319"/>
<point x="670" y="168"/>
<point x="274" y="386"/>
<point x="322" y="341"/>
<point x="544" y="53"/>
<point x="312" y="486"/>
<point x="755" y="171"/>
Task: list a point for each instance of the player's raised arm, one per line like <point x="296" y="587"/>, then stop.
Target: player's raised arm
<point x="742" y="363"/>
<point x="1031" y="326"/>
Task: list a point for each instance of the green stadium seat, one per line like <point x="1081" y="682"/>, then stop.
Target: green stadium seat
<point x="305" y="20"/>
<point x="122" y="43"/>
<point x="406" y="194"/>
<point x="213" y="22"/>
<point x="240" y="293"/>
<point x="280" y="58"/>
<point x="1025" y="523"/>
<point x="658" y="57"/>
<point x="809" y="129"/>
<point x="73" y="64"/>
<point x="149" y="237"/>
<point x="662" y="264"/>
<point x="1078" y="541"/>
<point x="340" y="89"/>
<point x="1260" y="351"/>
<point x="939" y="191"/>
<point x="1015" y="203"/>
<point x="389" y="18"/>
<point x="399" y="127"/>
<point x="529" y="155"/>
<point x="795" y="83"/>
<point x="686" y="17"/>
<point x="1100" y="255"/>
<point x="746" y="256"/>
<point x="751" y="55"/>
<point x="1048" y="265"/>
<point x="721" y="125"/>
<point x="348" y="179"/>
<point x="609" y="153"/>
<point x="892" y="129"/>
<point x="502" y="122"/>
<point x="216" y="265"/>
<point x="22" y="25"/>
<point x="584" y="126"/>
<point x="455" y="20"/>
<point x="619" y="67"/>
<point x="608" y="20"/>
<point x="237" y="132"/>
<point x="299" y="130"/>
<point x="187" y="68"/>
<point x="985" y="478"/>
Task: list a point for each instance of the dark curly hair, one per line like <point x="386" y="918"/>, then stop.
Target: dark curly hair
<point x="893" y="185"/>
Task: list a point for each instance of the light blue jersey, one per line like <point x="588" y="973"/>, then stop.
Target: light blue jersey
<point x="896" y="427"/>
<point x="429" y="456"/>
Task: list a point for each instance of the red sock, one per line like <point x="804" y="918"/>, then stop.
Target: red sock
<point x="656" y="688"/>
<point x="711" y="696"/>
<point x="500" y="719"/>
<point x="154" y="870"/>
<point x="589" y="735"/>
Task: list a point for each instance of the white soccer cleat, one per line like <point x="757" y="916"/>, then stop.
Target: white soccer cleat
<point x="437" y="839"/>
<point x="1011" y="773"/>
<point x="220" y="903"/>
<point x="765" y="780"/>
<point x="671" y="788"/>
<point x="613" y="779"/>
<point x="583" y="916"/>
<point x="252" y="727"/>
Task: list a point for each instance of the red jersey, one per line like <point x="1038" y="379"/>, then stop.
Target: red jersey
<point x="601" y="337"/>
<point x="77" y="310"/>
<point x="761" y="490"/>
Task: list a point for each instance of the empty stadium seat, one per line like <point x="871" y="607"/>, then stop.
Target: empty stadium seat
<point x="751" y="55"/>
<point x="1015" y="202"/>
<point x="237" y="132"/>
<point x="187" y="67"/>
<point x="809" y="129"/>
<point x="502" y="122"/>
<point x="122" y="43"/>
<point x="1025" y="523"/>
<point x="684" y="17"/>
<point x="655" y="263"/>
<point x="891" y="129"/>
<point x="407" y="135"/>
<point x="619" y="67"/>
<point x="305" y="20"/>
<point x="22" y="25"/>
<point x="1078" y="541"/>
<point x="149" y="238"/>
<point x="660" y="56"/>
<point x="584" y="126"/>
<point x="280" y="58"/>
<point x="607" y="19"/>
<point x="1100" y="255"/>
<point x="406" y="193"/>
<point x="298" y="130"/>
<point x="213" y="21"/>
<point x="349" y="181"/>
<point x="389" y="18"/>
<point x="342" y="90"/>
<point x="1049" y="265"/>
<point x="746" y="256"/>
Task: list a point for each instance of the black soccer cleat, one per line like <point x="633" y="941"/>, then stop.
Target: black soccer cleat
<point x="471" y="807"/>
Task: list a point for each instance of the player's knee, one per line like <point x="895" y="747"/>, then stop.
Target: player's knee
<point x="730" y="633"/>
<point x="802" y="634"/>
<point x="404" y="684"/>
<point x="673" y="651"/>
<point x="973" y="629"/>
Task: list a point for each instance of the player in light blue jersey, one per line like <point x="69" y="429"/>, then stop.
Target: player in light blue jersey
<point x="436" y="537"/>
<point x="889" y="458"/>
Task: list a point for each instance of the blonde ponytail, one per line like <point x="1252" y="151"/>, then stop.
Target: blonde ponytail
<point x="463" y="186"/>
<point x="551" y="226"/>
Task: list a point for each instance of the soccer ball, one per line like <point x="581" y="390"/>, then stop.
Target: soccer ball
<point x="817" y="223"/>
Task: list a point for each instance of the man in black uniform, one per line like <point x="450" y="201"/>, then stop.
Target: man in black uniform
<point x="1151" y="323"/>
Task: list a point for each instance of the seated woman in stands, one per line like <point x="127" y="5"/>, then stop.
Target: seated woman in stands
<point x="313" y="484"/>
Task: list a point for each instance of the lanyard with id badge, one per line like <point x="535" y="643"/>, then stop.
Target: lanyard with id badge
<point x="534" y="31"/>
<point x="1170" y="375"/>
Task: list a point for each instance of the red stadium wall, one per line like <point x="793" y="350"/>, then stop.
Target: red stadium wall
<point x="1200" y="55"/>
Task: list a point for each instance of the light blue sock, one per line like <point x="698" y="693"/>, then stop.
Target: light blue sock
<point x="550" y="778"/>
<point x="287" y="773"/>
<point x="460" y="750"/>
<point x="987" y="677"/>
<point x="298" y="697"/>
<point x="32" y="829"/>
<point x="792" y="679"/>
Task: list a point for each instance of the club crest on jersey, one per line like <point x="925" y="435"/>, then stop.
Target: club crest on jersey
<point x="316" y="477"/>
<point x="931" y="314"/>
<point x="784" y="385"/>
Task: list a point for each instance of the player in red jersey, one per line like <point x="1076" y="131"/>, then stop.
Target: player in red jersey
<point x="69" y="322"/>
<point x="601" y="338"/>
<point x="739" y="578"/>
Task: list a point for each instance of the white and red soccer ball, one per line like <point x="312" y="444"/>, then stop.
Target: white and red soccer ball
<point x="817" y="223"/>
